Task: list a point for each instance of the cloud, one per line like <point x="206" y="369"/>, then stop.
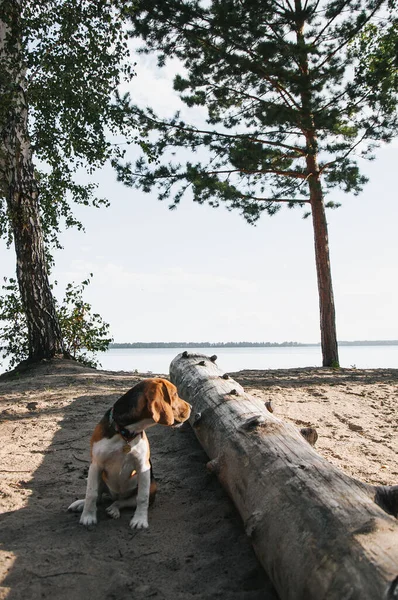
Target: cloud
<point x="153" y="87"/>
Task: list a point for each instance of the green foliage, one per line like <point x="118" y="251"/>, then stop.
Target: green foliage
<point x="279" y="82"/>
<point x="62" y="64"/>
<point x="84" y="332"/>
<point x="13" y="328"/>
<point x="376" y="52"/>
<point x="75" y="56"/>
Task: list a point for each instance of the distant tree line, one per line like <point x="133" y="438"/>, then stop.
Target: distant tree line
<point x="244" y="344"/>
<point x="370" y="343"/>
<point x="204" y="344"/>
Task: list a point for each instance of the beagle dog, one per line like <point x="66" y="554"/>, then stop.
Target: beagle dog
<point x="120" y="459"/>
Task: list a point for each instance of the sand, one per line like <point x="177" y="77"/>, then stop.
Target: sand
<point x="195" y="546"/>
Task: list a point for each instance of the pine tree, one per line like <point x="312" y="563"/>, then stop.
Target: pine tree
<point x="61" y="64"/>
<point x="285" y="113"/>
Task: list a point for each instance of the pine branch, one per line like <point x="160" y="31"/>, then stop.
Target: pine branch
<point x="338" y="97"/>
<point x="283" y="9"/>
<point x="300" y="151"/>
<point x="284" y="94"/>
<point x="242" y="93"/>
<point x="176" y="176"/>
<point x="289" y="5"/>
<point x="289" y="200"/>
<point x="319" y="36"/>
<point x="349" y="151"/>
<point x="293" y="174"/>
<point x="344" y="109"/>
<point x="352" y="35"/>
<point x="281" y="90"/>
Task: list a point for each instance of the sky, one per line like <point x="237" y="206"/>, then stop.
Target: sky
<point x="203" y="274"/>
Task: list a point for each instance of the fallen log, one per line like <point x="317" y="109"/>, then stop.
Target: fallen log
<point x="318" y="533"/>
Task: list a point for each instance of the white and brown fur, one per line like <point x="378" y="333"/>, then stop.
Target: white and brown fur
<point x="126" y="473"/>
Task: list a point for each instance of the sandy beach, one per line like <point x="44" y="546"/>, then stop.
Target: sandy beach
<point x="195" y="546"/>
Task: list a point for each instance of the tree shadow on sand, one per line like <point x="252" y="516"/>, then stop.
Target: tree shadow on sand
<point x="195" y="546"/>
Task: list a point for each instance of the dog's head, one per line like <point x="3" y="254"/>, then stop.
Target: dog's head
<point x="153" y="400"/>
<point x="164" y="404"/>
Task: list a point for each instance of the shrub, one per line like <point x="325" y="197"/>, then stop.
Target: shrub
<point x="84" y="332"/>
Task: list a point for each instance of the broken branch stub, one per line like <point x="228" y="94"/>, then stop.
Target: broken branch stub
<point x="319" y="534"/>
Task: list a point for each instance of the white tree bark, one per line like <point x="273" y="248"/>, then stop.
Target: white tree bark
<point x="18" y="186"/>
<point x="318" y="533"/>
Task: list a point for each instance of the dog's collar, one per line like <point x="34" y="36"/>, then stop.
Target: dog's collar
<point x="127" y="435"/>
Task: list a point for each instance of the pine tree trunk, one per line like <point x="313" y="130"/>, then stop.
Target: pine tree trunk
<point x="330" y="355"/>
<point x="19" y="187"/>
<point x="319" y="534"/>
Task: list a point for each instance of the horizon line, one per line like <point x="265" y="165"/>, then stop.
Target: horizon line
<point x="244" y="343"/>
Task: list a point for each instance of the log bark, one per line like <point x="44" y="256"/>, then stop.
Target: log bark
<point x="318" y="533"/>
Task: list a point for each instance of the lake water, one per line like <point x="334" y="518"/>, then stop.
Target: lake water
<point x="157" y="360"/>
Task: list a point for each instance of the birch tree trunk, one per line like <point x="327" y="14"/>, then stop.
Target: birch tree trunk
<point x="19" y="188"/>
<point x="319" y="534"/>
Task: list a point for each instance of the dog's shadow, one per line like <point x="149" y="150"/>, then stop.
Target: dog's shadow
<point x="195" y="545"/>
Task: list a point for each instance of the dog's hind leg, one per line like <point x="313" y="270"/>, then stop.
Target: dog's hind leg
<point x="77" y="506"/>
<point x="114" y="509"/>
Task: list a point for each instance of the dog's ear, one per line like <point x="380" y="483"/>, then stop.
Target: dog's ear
<point x="159" y="408"/>
<point x="169" y="391"/>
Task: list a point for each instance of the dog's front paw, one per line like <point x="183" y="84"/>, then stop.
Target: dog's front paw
<point x="139" y="522"/>
<point x="113" y="511"/>
<point x="88" y="519"/>
<point x="76" y="506"/>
